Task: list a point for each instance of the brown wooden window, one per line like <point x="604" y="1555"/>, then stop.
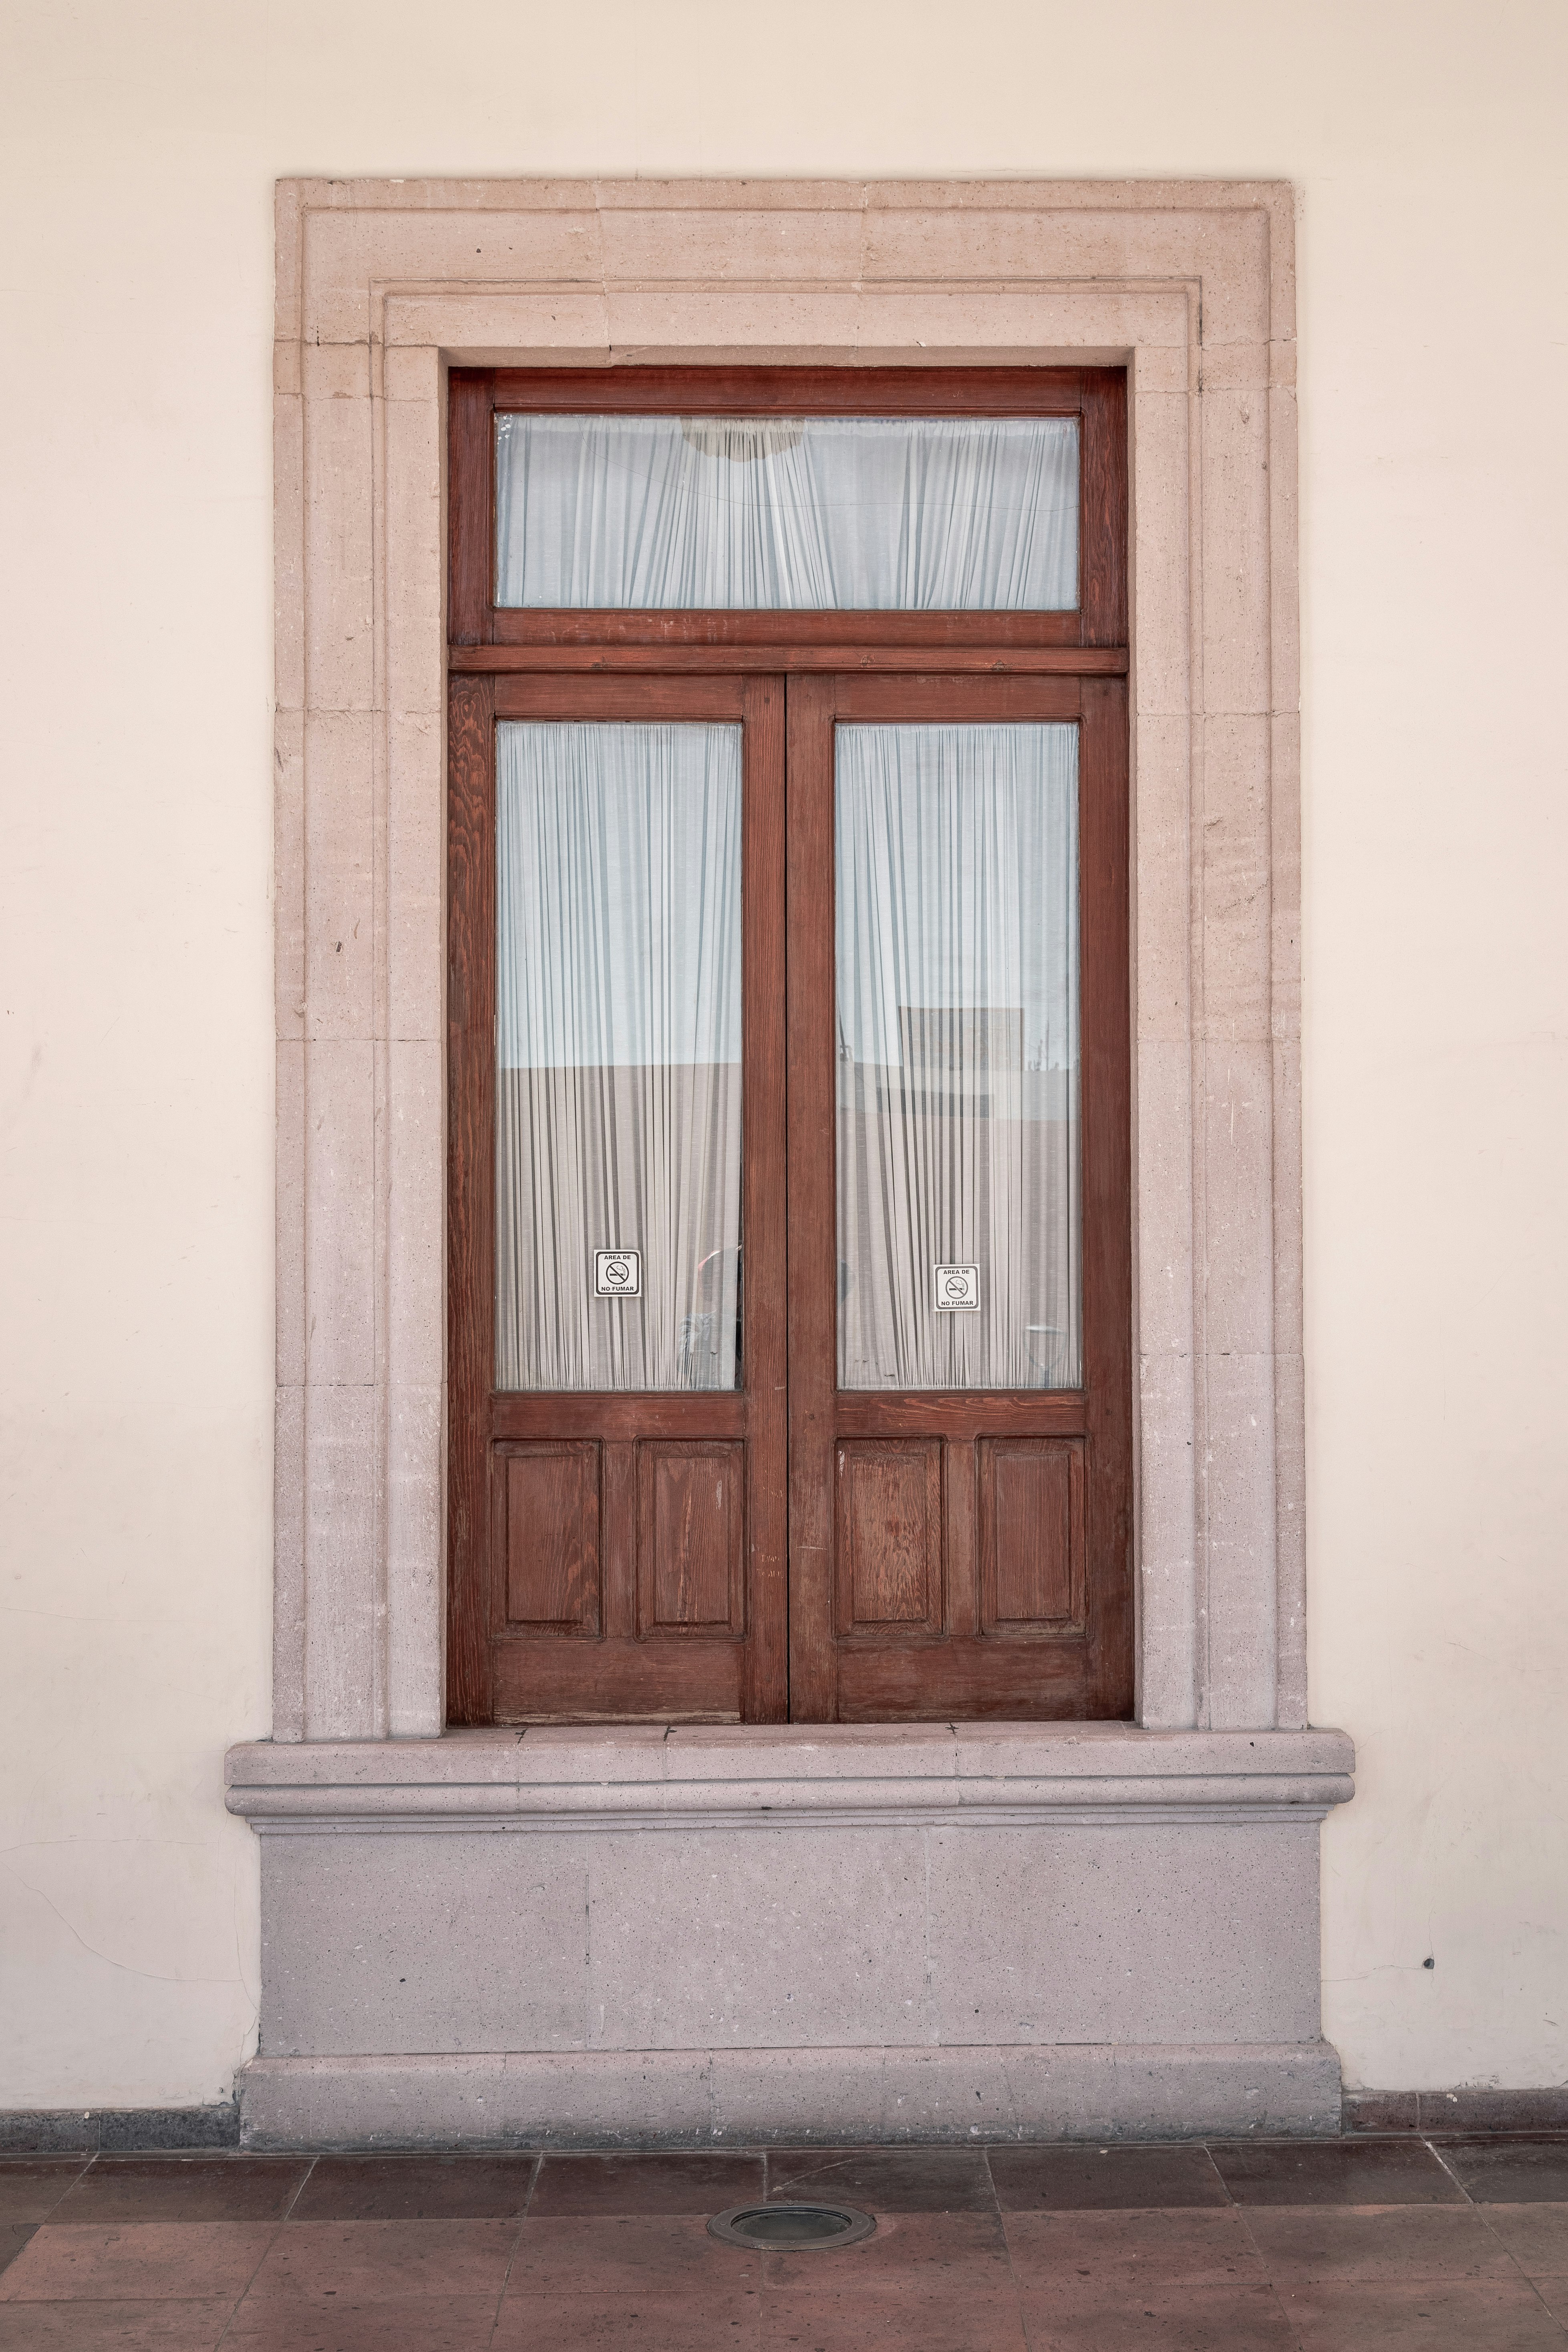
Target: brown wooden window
<point x="789" y="1248"/>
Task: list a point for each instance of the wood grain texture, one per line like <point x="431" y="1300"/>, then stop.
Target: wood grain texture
<point x="1103" y="509"/>
<point x="626" y="1416"/>
<point x="631" y="1682"/>
<point x="961" y="1413"/>
<point x="949" y="1680"/>
<point x="763" y="1223"/>
<point x="813" y="1223"/>
<point x="645" y="698"/>
<point x="691" y="1520"/>
<point x="931" y="697"/>
<point x="727" y="628"/>
<point x="791" y="391"/>
<point x="960" y="1534"/>
<point x="1104" y="827"/>
<point x="470" y="1147"/>
<point x="471" y="504"/>
<point x="671" y="658"/>
<point x="546" y="1527"/>
<point x="890" y="1536"/>
<point x="1031" y="1535"/>
<point x="618" y="1485"/>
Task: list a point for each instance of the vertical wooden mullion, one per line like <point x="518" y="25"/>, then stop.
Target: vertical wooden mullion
<point x="618" y="1538"/>
<point x="812" y="1229"/>
<point x="471" y="1114"/>
<point x="1103" y="508"/>
<point x="764" y="1373"/>
<point x="470" y="499"/>
<point x="960" y="1489"/>
<point x="1105" y="1063"/>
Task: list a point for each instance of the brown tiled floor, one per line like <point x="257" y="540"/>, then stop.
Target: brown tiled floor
<point x="1398" y="2243"/>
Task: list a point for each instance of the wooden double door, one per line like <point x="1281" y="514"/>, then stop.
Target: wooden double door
<point x="789" y="1258"/>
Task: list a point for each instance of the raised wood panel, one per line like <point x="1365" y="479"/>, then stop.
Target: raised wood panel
<point x="889" y="1536"/>
<point x="1031" y="1535"/>
<point x="548" y="1508"/>
<point x="690" y="1539"/>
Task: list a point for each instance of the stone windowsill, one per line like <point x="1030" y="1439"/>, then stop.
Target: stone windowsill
<point x="771" y="1776"/>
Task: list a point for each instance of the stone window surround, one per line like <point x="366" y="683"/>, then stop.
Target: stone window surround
<point x="380" y="287"/>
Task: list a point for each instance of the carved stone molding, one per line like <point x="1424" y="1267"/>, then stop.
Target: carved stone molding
<point x="383" y="285"/>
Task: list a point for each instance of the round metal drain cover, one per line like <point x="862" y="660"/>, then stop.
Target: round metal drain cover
<point x="800" y="2229"/>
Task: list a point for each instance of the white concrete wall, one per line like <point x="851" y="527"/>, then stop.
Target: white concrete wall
<point x="139" y="148"/>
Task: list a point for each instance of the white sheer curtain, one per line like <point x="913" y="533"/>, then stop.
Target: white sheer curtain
<point x="864" y="514"/>
<point x="618" y="1053"/>
<point x="958" y="1055"/>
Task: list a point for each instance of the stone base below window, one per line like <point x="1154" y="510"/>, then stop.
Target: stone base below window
<point x="696" y="1936"/>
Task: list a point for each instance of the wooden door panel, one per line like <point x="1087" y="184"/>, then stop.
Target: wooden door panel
<point x="960" y="1553"/>
<point x="546" y="1520"/>
<point x="616" y="1556"/>
<point x="1031" y="1536"/>
<point x="690" y="1539"/>
<point x="890" y="1565"/>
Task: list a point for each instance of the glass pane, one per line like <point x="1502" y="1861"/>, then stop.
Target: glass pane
<point x="618" y="1057"/>
<point x="959" y="1214"/>
<point x="851" y="513"/>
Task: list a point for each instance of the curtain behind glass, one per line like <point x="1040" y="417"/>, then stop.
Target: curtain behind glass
<point x="958" y="1055"/>
<point x="618" y="1053"/>
<point x="864" y="514"/>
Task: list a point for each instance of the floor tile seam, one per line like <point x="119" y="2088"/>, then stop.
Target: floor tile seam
<point x="250" y="2281"/>
<point x="1262" y="2259"/>
<point x="511" y="2257"/>
<point x="299" y="2188"/>
<point x="1214" y="2168"/>
<point x="1561" y="2326"/>
<point x="1437" y="2153"/>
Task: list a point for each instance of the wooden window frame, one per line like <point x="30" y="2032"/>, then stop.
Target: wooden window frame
<point x="505" y="661"/>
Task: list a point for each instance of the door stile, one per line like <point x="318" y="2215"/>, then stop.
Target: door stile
<point x="470" y="1126"/>
<point x="813" y="1252"/>
<point x="1107" y="1050"/>
<point x="763" y="1142"/>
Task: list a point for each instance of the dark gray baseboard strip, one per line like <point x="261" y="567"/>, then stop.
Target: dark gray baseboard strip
<point x="1457" y="2111"/>
<point x="69" y="2131"/>
<point x="90" y="2131"/>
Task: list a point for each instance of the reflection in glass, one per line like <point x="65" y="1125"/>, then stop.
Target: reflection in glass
<point x="958" y="1058"/>
<point x="858" y="513"/>
<point x="618" y="1053"/>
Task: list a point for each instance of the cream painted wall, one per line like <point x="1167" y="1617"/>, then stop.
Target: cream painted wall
<point x="140" y="146"/>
